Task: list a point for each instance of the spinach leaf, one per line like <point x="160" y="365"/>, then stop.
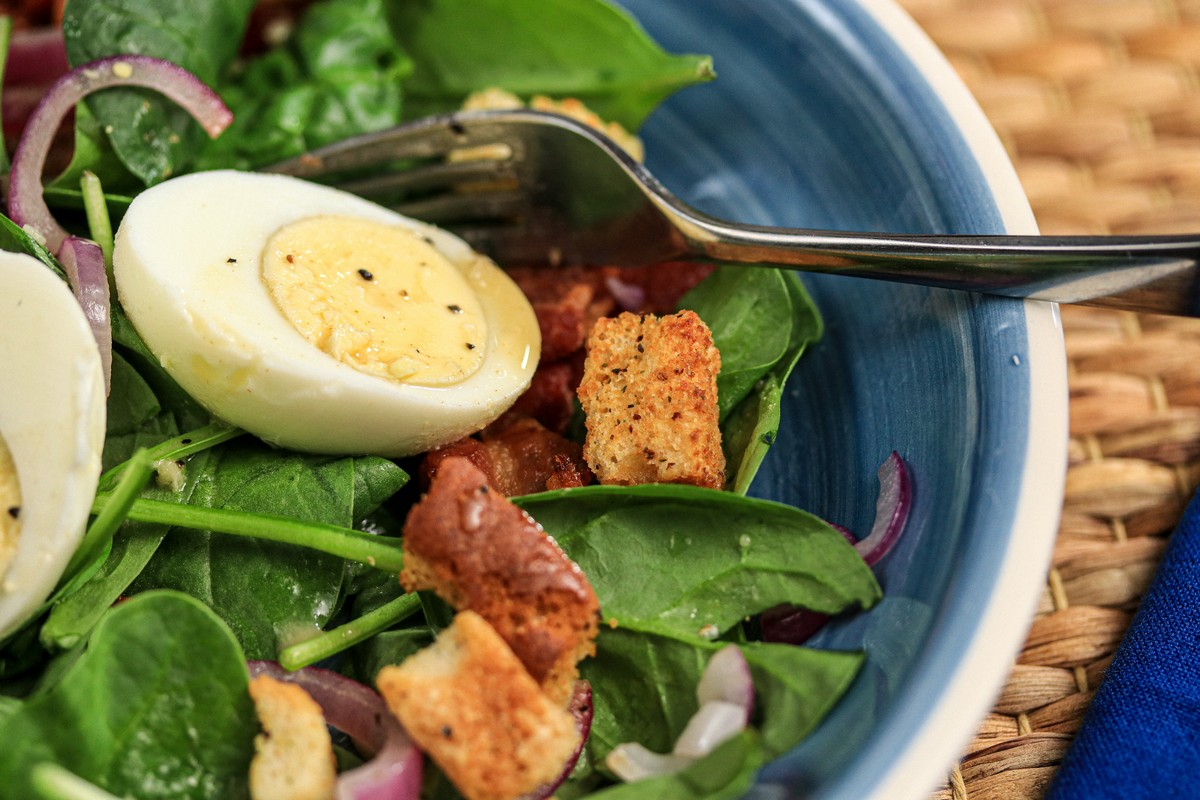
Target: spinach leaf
<point x="135" y="419"/>
<point x="749" y="428"/>
<point x="749" y="312"/>
<point x="724" y="774"/>
<point x="8" y="707"/>
<point x="269" y="593"/>
<point x="692" y="563"/>
<point x="795" y="688"/>
<point x="338" y="75"/>
<point x="643" y="689"/>
<point x="587" y="49"/>
<point x="187" y="412"/>
<point x="749" y="432"/>
<point x="151" y="136"/>
<point x="92" y="152"/>
<point x="674" y="567"/>
<point x="155" y="706"/>
<point x="14" y="239"/>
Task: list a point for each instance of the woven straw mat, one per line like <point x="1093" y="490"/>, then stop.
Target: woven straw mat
<point x="1098" y="104"/>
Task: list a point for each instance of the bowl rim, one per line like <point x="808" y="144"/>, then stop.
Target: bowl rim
<point x="931" y="751"/>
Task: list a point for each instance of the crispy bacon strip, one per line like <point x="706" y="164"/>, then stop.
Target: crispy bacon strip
<point x="517" y="456"/>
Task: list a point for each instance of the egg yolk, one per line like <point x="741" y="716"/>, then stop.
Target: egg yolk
<point x="379" y="298"/>
<point x="10" y="506"/>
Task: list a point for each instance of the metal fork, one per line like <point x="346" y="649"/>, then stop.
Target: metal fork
<point x="534" y="188"/>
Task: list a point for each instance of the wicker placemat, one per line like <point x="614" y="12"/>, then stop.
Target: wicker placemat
<point x="1098" y="103"/>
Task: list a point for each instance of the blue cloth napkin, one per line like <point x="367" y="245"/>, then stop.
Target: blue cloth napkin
<point x="1141" y="735"/>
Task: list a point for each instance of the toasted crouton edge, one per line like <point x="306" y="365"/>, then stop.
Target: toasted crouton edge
<point x="467" y="701"/>
<point x="293" y="756"/>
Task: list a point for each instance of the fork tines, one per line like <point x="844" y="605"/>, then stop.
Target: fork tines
<point x="440" y="169"/>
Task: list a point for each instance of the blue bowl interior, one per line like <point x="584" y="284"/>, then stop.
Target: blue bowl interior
<point x="818" y="119"/>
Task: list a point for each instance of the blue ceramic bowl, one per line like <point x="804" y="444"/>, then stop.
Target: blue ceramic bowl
<point x="842" y="114"/>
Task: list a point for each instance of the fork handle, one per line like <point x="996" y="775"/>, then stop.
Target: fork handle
<point x="1153" y="274"/>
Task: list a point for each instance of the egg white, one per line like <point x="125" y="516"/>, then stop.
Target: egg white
<point x="187" y="263"/>
<point x="52" y="417"/>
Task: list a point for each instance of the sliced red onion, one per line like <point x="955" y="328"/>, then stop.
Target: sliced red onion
<point x="580" y="706"/>
<point x="26" y="205"/>
<point x="891" y="510"/>
<point x="395" y="770"/>
<point x="788" y="624"/>
<point x="715" y="722"/>
<point x="633" y="762"/>
<point x="846" y="533"/>
<point x="727" y="678"/>
<point x="629" y="296"/>
<point x="726" y="695"/>
<point x="84" y="263"/>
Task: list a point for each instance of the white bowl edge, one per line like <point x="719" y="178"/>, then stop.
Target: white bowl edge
<point x="933" y="750"/>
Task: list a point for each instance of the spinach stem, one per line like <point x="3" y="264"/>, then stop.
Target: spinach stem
<point x="54" y="782"/>
<point x="367" y="548"/>
<point x="334" y="641"/>
<point x="181" y="446"/>
<point x="100" y="532"/>
<point x="99" y="224"/>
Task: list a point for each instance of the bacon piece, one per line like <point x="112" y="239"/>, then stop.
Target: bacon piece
<point x="550" y="398"/>
<point x="481" y="553"/>
<point x="662" y="285"/>
<point x="517" y="456"/>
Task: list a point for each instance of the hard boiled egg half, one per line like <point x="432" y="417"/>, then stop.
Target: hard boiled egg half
<point x="320" y="321"/>
<point x="52" y="416"/>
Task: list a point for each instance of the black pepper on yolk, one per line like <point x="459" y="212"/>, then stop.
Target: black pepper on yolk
<point x="377" y="297"/>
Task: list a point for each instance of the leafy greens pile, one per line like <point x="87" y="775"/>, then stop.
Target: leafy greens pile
<point x="263" y="554"/>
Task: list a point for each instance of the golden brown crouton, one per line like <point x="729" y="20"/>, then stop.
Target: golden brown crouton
<point x="480" y="552"/>
<point x="468" y="702"/>
<point x="649" y="391"/>
<point x="293" y="758"/>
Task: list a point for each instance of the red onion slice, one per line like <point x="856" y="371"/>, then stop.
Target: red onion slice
<point x="726" y="695"/>
<point x="629" y="296"/>
<point x="727" y="679"/>
<point x="26" y="202"/>
<point x="633" y="762"/>
<point x="395" y="770"/>
<point x="714" y="722"/>
<point x="891" y="510"/>
<point x="580" y="706"/>
<point x="26" y="205"/>
<point x="788" y="624"/>
<point x="84" y="264"/>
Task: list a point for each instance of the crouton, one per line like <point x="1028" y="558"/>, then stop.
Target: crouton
<point x="649" y="391"/>
<point x="293" y="756"/>
<point x="481" y="553"/>
<point x="468" y="702"/>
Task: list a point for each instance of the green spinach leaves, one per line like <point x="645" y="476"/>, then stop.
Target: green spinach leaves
<point x="351" y="66"/>
<point x="154" y="707"/>
<point x="676" y="569"/>
<point x="762" y="320"/>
